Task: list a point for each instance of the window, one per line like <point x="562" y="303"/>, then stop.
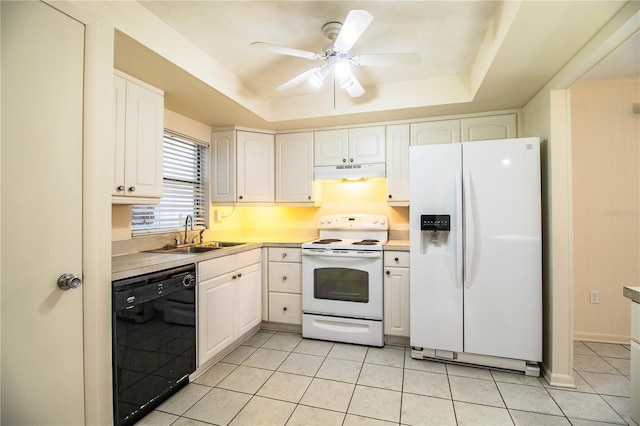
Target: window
<point x="185" y="188"/>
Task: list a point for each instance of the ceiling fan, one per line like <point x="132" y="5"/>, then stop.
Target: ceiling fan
<point x="336" y="56"/>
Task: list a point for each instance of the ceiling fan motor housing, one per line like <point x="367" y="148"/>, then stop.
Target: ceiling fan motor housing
<point x="331" y="30"/>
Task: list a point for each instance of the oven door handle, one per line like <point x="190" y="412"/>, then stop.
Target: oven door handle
<point x="347" y="253"/>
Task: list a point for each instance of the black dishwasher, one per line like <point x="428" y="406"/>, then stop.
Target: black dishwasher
<point x="154" y="339"/>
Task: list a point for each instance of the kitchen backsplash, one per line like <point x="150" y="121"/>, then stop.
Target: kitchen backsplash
<point x="338" y="197"/>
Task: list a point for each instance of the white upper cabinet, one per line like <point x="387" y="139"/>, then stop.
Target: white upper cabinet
<point x="331" y="147"/>
<point x="431" y="132"/>
<point x="223" y="167"/>
<point x="489" y="127"/>
<point x="364" y="145"/>
<point x="398" y="164"/>
<point x="242" y="167"/>
<point x="294" y="168"/>
<point x="139" y="127"/>
<point x="255" y="167"/>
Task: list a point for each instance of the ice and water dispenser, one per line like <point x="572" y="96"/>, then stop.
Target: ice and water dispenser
<point x="435" y="230"/>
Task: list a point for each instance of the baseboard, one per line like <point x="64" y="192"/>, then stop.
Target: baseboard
<point x="557" y="380"/>
<point x="601" y="337"/>
<point x="278" y="326"/>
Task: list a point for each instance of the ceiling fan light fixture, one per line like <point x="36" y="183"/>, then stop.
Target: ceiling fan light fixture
<point x="342" y="70"/>
<point x="318" y="77"/>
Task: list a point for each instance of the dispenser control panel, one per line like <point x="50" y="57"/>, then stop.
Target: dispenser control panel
<point x="435" y="222"/>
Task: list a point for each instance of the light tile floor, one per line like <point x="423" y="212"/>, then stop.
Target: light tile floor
<point x="278" y="378"/>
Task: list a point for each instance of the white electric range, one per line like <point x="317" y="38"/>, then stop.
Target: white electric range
<point x="342" y="280"/>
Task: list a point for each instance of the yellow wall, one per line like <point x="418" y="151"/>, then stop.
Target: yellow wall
<point x="605" y="136"/>
<point x="337" y="197"/>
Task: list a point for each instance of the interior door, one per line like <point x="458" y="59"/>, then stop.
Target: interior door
<point x="42" y="108"/>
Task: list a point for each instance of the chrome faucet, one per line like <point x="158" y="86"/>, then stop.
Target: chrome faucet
<point x="186" y="222"/>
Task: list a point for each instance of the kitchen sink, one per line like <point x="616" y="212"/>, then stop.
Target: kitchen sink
<point x="221" y="244"/>
<point x="203" y="248"/>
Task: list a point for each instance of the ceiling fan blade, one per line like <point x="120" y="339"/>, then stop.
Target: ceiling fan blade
<point x="285" y="50"/>
<point x="387" y="59"/>
<point x="353" y="87"/>
<point x="297" y="79"/>
<point x="356" y="23"/>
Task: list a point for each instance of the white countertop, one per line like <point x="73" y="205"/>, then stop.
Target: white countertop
<point x="632" y="293"/>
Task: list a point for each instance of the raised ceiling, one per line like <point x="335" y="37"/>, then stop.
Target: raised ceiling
<point x="476" y="56"/>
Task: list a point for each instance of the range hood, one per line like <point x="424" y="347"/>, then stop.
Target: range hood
<point x="350" y="172"/>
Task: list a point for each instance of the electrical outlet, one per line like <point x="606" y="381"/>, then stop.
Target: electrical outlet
<point x="217" y="217"/>
<point x="594" y="296"/>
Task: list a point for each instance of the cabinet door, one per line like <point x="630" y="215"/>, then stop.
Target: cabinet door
<point x="223" y="167"/>
<point x="430" y="132"/>
<point x="396" y="301"/>
<point x="366" y="145"/>
<point x="489" y="127"/>
<point x="331" y="147"/>
<point x="215" y="316"/>
<point x="144" y="135"/>
<point x="119" y="101"/>
<point x="248" y="298"/>
<point x="397" y="141"/>
<point x="256" y="167"/>
<point x="294" y="167"/>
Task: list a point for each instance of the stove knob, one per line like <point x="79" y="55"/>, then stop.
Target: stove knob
<point x="383" y="221"/>
<point x="375" y="220"/>
<point x="322" y="221"/>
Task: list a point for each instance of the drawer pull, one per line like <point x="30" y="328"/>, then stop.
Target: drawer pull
<point x="284" y="255"/>
<point x="397" y="260"/>
<point x="284" y="309"/>
<point x="284" y="278"/>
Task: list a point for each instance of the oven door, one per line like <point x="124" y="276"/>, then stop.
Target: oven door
<point x="344" y="283"/>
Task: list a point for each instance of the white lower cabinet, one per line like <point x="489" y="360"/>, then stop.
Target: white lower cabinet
<point x="285" y="285"/>
<point x="396" y="293"/>
<point x="229" y="301"/>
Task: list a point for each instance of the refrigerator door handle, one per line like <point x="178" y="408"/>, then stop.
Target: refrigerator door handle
<point x="471" y="229"/>
<point x="458" y="234"/>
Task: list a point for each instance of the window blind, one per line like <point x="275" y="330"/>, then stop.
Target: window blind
<point x="185" y="188"/>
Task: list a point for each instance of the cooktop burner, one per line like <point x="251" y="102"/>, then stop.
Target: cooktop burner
<point x="327" y="241"/>
<point x="366" y="243"/>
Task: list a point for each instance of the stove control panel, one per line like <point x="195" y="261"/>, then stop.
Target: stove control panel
<point x="353" y="222"/>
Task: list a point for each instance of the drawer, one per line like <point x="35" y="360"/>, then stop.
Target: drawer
<point x="285" y="308"/>
<point x="225" y="264"/>
<point x="285" y="277"/>
<point x="396" y="258"/>
<point x="280" y="254"/>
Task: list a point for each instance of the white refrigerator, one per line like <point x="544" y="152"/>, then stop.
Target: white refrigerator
<point x="475" y="254"/>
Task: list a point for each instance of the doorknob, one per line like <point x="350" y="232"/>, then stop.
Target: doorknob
<point x="69" y="281"/>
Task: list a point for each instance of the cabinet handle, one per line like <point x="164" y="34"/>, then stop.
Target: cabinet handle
<point x="308" y="197"/>
<point x="239" y="275"/>
<point x="390" y="196"/>
<point x="284" y="255"/>
<point x="388" y="272"/>
<point x="344" y="160"/>
<point x="284" y="278"/>
<point x="240" y="197"/>
<point x="120" y="188"/>
<point x="397" y="260"/>
<point x="351" y="160"/>
<point x="235" y="277"/>
<point x="284" y="309"/>
<point x="132" y="189"/>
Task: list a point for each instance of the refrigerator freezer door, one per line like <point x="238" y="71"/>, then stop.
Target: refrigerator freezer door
<point x="436" y="318"/>
<point x="503" y="274"/>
